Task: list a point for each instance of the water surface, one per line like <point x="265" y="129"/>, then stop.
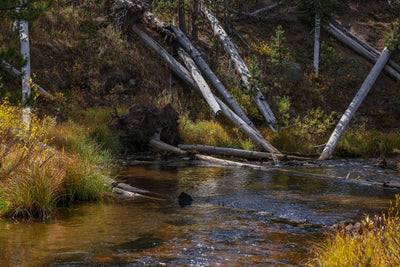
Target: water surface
<point x="240" y="217"/>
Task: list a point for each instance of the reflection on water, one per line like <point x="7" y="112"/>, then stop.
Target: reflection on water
<point x="239" y="217"/>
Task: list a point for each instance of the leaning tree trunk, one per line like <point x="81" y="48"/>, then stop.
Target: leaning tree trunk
<point x="361" y="50"/>
<point x="258" y="12"/>
<point x="195" y="54"/>
<point x="16" y="72"/>
<point x="367" y="46"/>
<point x="201" y="83"/>
<point x="241" y="67"/>
<point x="181" y="72"/>
<point x="317" y="34"/>
<point x="362" y="93"/>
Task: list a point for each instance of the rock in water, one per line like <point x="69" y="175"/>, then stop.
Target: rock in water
<point x="184" y="199"/>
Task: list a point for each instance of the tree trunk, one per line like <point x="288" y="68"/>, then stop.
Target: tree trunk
<point x="224" y="151"/>
<point x="201" y="83"/>
<point x="158" y="144"/>
<point x="180" y="71"/>
<point x="258" y="12"/>
<point x="182" y="16"/>
<point x="361" y="50"/>
<point x="195" y="54"/>
<point x="241" y="67"/>
<point x="195" y="21"/>
<point x="362" y="93"/>
<point x="367" y="46"/>
<point x="317" y="33"/>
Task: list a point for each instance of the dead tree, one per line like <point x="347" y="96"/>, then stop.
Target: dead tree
<point x="195" y="54"/>
<point x="240" y="67"/>
<point x="182" y="72"/>
<point x="355" y="104"/>
<point x="360" y="49"/>
<point x="201" y="83"/>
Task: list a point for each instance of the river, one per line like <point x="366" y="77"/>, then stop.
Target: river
<point x="239" y="217"/>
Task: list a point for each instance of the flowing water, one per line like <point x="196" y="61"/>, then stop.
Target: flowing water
<point x="239" y="217"/>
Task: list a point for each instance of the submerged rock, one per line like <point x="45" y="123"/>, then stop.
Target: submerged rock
<point x="184" y="199"/>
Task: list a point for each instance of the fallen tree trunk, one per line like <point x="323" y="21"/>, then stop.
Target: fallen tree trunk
<point x="241" y="67"/>
<point x="158" y="144"/>
<point x="182" y="72"/>
<point x="224" y="151"/>
<point x="16" y="72"/>
<point x="240" y="153"/>
<point x="265" y="9"/>
<point x="220" y="162"/>
<point x="201" y="83"/>
<point x="195" y="54"/>
<point x="153" y="22"/>
<point x="361" y="94"/>
<point x="367" y="46"/>
<point x="332" y="29"/>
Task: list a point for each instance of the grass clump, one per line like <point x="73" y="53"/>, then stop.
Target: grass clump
<point x="378" y="244"/>
<point x="34" y="177"/>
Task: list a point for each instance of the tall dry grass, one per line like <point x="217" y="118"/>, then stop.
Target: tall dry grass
<point x="34" y="177"/>
<point x="378" y="244"/>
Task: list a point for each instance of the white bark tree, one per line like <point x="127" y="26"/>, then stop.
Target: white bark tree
<point x="317" y="35"/>
<point x="355" y="104"/>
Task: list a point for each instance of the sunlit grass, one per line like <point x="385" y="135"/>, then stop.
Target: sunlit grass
<point x="37" y="172"/>
<point x="378" y="244"/>
<point x="212" y="133"/>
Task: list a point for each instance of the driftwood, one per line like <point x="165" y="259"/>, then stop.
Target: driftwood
<point x="182" y="73"/>
<point x="360" y="49"/>
<point x="361" y="94"/>
<point x="16" y="72"/>
<point x="240" y="67"/>
<point x="201" y="83"/>
<point x="195" y="54"/>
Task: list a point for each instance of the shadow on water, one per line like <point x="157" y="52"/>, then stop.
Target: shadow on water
<point x="239" y="217"/>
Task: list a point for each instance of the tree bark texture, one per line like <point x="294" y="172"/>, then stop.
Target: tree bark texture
<point x="355" y="104"/>
<point x="182" y="72"/>
<point x="241" y="67"/>
<point x="317" y="34"/>
<point x="195" y="54"/>
<point x="201" y="83"/>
